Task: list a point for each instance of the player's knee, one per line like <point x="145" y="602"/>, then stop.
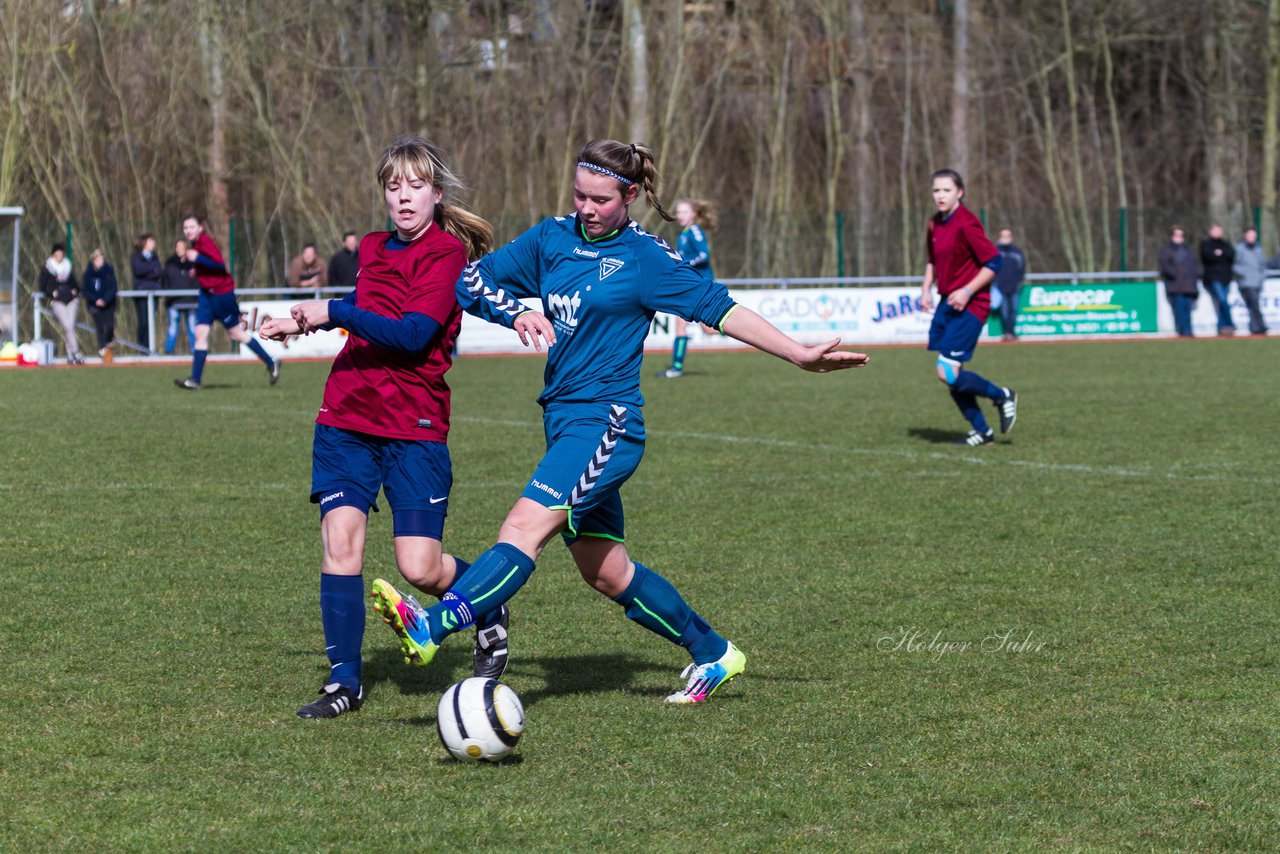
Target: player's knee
<point x="343" y="554"/>
<point x="426" y="573"/>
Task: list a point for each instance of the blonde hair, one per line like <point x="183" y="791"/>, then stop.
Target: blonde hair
<point x="414" y="157"/>
<point x="704" y="213"/>
<point x="633" y="162"/>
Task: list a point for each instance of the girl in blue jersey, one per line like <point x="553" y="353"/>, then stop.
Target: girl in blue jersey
<point x="696" y="217"/>
<point x="601" y="278"/>
<point x="384" y="419"/>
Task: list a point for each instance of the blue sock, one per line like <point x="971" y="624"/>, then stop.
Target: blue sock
<point x="968" y="381"/>
<point x="256" y="347"/>
<point x="487" y="618"/>
<point x="677" y="354"/>
<point x="654" y="603"/>
<point x="969" y="408"/>
<point x="495" y="577"/>
<point x="197" y="364"/>
<point x="342" y="613"/>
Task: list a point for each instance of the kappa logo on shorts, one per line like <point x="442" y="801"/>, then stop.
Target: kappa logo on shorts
<point x="609" y="266"/>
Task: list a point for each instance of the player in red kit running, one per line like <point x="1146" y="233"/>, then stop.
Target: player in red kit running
<point x="963" y="262"/>
<point x="385" y="414"/>
<point x="217" y="301"/>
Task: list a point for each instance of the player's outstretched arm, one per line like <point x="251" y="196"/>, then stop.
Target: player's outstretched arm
<point x="750" y="328"/>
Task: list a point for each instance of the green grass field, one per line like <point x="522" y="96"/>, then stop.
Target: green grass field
<point x="159" y="620"/>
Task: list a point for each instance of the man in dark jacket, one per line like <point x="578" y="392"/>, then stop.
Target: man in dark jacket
<point x="345" y="263"/>
<point x="1179" y="270"/>
<point x="148" y="275"/>
<point x="1217" y="256"/>
<point x="99" y="290"/>
<point x="1013" y="269"/>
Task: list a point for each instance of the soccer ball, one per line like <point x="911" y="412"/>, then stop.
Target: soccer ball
<point x="479" y="718"/>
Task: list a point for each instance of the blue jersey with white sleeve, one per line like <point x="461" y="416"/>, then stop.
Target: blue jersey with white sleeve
<point x="600" y="295"/>
<point x="692" y="246"/>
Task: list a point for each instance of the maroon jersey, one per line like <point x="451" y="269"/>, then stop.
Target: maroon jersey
<point x="958" y="248"/>
<point x="389" y="393"/>
<point x="213" y="281"/>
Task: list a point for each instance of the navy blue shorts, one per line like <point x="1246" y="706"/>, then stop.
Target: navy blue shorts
<point x="348" y="468"/>
<point x="954" y="334"/>
<point x="592" y="449"/>
<point x="220" y="307"/>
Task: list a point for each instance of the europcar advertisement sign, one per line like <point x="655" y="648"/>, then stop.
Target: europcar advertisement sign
<point x="1084" y="309"/>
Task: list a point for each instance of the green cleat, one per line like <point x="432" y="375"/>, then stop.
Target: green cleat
<point x="408" y="620"/>
<point x="705" y="679"/>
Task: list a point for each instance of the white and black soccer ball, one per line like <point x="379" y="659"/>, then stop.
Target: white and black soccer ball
<point x="479" y="718"/>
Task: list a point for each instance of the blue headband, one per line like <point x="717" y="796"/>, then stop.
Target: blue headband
<point x="603" y="171"/>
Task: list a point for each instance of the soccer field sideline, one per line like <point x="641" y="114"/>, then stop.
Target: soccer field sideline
<point x="1126" y="524"/>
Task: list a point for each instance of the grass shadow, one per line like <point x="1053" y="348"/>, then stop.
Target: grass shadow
<point x="585" y="674"/>
<point x="936" y="436"/>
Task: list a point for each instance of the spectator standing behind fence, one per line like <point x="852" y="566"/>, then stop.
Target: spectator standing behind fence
<point x="1250" y="270"/>
<point x="59" y="286"/>
<point x="181" y="310"/>
<point x="1217" y="257"/>
<point x="216" y="301"/>
<point x="306" y="271"/>
<point x="1179" y="270"/>
<point x="148" y="275"/>
<point x="1013" y="269"/>
<point x="100" y="289"/>
<point x="345" y="263"/>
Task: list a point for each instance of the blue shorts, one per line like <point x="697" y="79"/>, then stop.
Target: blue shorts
<point x="220" y="307"/>
<point x="347" y="469"/>
<point x="954" y="334"/>
<point x="592" y="448"/>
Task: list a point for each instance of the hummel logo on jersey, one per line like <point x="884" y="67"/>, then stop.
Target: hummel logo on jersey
<point x="565" y="308"/>
<point x="609" y="266"/>
<point x="586" y="253"/>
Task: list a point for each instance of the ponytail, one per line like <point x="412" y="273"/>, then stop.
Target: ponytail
<point x="704" y="213"/>
<point x="633" y="164"/>
<point x="414" y="156"/>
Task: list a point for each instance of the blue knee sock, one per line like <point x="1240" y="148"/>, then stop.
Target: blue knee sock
<point x="484" y="619"/>
<point x="492" y="579"/>
<point x="654" y="603"/>
<point x="258" y="351"/>
<point x="197" y="364"/>
<point x="971" y="383"/>
<point x="968" y="405"/>
<point x="342" y="614"/>
<point x="677" y="354"/>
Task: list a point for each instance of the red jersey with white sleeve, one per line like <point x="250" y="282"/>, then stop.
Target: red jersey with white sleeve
<point x="958" y="248"/>
<point x="390" y="393"/>
<point x="213" y="280"/>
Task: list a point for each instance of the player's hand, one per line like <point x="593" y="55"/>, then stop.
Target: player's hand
<point x="958" y="299"/>
<point x="278" y="328"/>
<point x="534" y="328"/>
<point x="311" y="315"/>
<point x="824" y="358"/>
<point x="926" y="300"/>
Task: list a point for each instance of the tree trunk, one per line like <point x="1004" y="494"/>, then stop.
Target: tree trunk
<point x="637" y="55"/>
<point x="209" y="35"/>
<point x="959" y="152"/>
<point x="1269" y="132"/>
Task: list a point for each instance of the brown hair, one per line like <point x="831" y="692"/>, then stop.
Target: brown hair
<point x="634" y="162"/>
<point x="704" y="213"/>
<point x="142" y="241"/>
<point x="413" y="156"/>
